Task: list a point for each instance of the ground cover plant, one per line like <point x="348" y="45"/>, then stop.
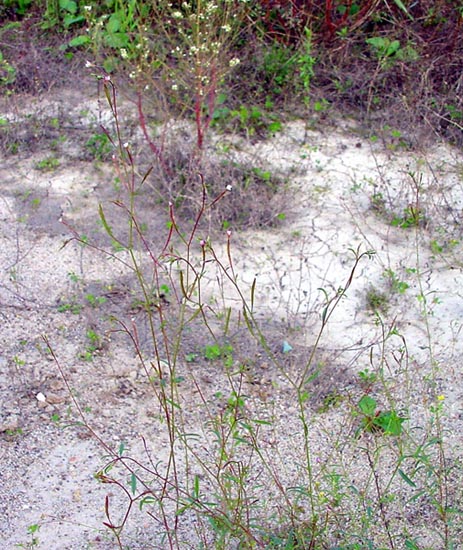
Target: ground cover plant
<point x="367" y="463"/>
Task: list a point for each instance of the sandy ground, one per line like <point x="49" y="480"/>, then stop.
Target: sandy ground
<point x="346" y="190"/>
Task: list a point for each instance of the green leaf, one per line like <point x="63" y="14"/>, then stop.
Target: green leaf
<point x="393" y="48"/>
<point x="106" y="225"/>
<point x="274" y="127"/>
<point x="367" y="405"/>
<point x="212" y="352"/>
<point x="262" y="422"/>
<point x="253" y="290"/>
<point x="72" y="20"/>
<point x="411" y="545"/>
<point x="133" y="483"/>
<point x="377" y="42"/>
<point x="114" y="23"/>
<point x="79" y="41"/>
<point x="117" y="40"/>
<point x="390" y="422"/>
<point x="196" y="487"/>
<point x="146" y="500"/>
<point x="405" y="477"/>
<point x="68" y="5"/>
<point x="401" y="6"/>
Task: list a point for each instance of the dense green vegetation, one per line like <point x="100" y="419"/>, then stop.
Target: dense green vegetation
<point x="234" y="62"/>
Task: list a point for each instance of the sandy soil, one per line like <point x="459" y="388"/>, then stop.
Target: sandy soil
<point x="347" y="188"/>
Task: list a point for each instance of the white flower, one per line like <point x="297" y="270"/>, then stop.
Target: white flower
<point x="177" y="15"/>
<point x="124" y="53"/>
<point x="234" y="62"/>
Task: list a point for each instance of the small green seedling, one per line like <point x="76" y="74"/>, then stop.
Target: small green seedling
<point x="94" y="344"/>
<point x="377" y="301"/>
<point x="412" y="217"/>
<point x="32" y="530"/>
<point x="216" y="351"/>
<point x="47" y="164"/>
<point x="70" y="307"/>
<point x="95" y="301"/>
<point x="377" y="421"/>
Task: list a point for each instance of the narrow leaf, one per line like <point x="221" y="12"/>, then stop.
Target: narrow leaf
<point x="133" y="483"/>
<point x="106" y="225"/>
<point x="401" y="6"/>
<point x="146" y="500"/>
<point x="405" y="477"/>
<point x="253" y="289"/>
<point x="196" y="487"/>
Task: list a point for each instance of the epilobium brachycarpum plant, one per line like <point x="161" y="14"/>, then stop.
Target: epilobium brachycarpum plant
<point x="218" y="467"/>
<point x="229" y="468"/>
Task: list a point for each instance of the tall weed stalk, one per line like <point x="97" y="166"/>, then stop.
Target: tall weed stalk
<point x="219" y="470"/>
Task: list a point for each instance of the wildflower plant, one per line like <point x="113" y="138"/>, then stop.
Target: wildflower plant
<point x="205" y="30"/>
<point x="182" y="51"/>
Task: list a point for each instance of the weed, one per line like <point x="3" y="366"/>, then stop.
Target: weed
<point x="213" y="352"/>
<point x="368" y="379"/>
<point x="332" y="400"/>
<point x="7" y="71"/>
<point x="377" y="301"/>
<point x="374" y="420"/>
<point x="32" y="531"/>
<point x="72" y="307"/>
<point x="248" y="121"/>
<point x="14" y="433"/>
<point x="223" y="469"/>
<point x="306" y="62"/>
<point x="99" y="146"/>
<point x="64" y="13"/>
<point x="411" y="217"/>
<point x="18" y="361"/>
<point x="395" y="283"/>
<point x="95" y="301"/>
<point x="389" y="51"/>
<point x="94" y="345"/>
<point x="48" y="164"/>
<point x="224" y="444"/>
